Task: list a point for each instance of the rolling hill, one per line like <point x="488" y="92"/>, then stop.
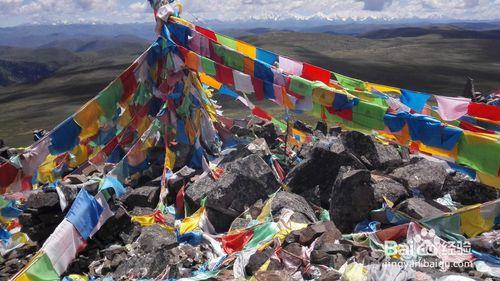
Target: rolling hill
<point x="443" y="31"/>
<point x="81" y="68"/>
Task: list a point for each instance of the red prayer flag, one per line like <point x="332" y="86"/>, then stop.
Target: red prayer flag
<point x="484" y="111"/>
<point x="224" y="74"/>
<point x="469" y="127"/>
<point x="179" y="202"/>
<point x="8" y="174"/>
<point x="257" y="111"/>
<point x="258" y="87"/>
<point x="183" y="51"/>
<point x="235" y="242"/>
<point x="344" y="113"/>
<point x="313" y="73"/>
<point x="395" y="233"/>
<point x="129" y="82"/>
<point x="206" y="32"/>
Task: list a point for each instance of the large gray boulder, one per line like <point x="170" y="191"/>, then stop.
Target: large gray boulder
<point x="144" y="196"/>
<point x="153" y="248"/>
<point x="314" y="176"/>
<point x="468" y="192"/>
<point x="303" y="213"/>
<point x="388" y="188"/>
<point x="352" y="198"/>
<point x="374" y="154"/>
<point x="243" y="182"/>
<point x="418" y="208"/>
<point x="422" y="174"/>
<point x="42" y="215"/>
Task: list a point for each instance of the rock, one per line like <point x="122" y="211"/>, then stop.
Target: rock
<point x="330" y="260"/>
<point x="240" y="131"/>
<point x="391" y="189"/>
<point x="468" y="192"/>
<point x="307" y="235"/>
<point x="156" y="252"/>
<point x="268" y="132"/>
<point x="144" y="196"/>
<point x="43" y="201"/>
<point x="75" y="179"/>
<point x="335" y="131"/>
<point x="154" y="238"/>
<point x="243" y="182"/>
<point x="322" y="127"/>
<point x="183" y="153"/>
<point x="257" y="260"/>
<point x="271" y="275"/>
<point x="42" y="215"/>
<point x="418" y="208"/>
<point x="352" y="199"/>
<point x="117" y="227"/>
<point x="299" y="125"/>
<point x="239" y="152"/>
<point x="318" y="171"/>
<point x="303" y="213"/>
<point x="332" y="248"/>
<point x="378" y="156"/>
<point x="424" y="175"/>
<point x="330" y="276"/>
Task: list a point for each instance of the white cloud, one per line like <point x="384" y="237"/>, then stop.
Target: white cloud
<point x="138" y="10"/>
<point x="9" y="5"/>
<point x="395" y="9"/>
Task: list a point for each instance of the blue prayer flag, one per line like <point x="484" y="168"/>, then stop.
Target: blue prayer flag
<point x="114" y="183"/>
<point x="414" y="100"/>
<point x="64" y="137"/>
<point x="84" y="213"/>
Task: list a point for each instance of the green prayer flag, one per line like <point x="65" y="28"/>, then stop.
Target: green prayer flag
<point x="301" y="86"/>
<point x="324" y="215"/>
<point x="369" y="115"/>
<point x="142" y="95"/>
<point x="479" y="152"/>
<point x="108" y="99"/>
<point x="42" y="270"/>
<point x="446" y="227"/>
<point x="208" y="66"/>
<point x="226" y="41"/>
<point x="185" y="108"/>
<point x="279" y="124"/>
<point x="261" y="233"/>
<point x="350" y="83"/>
<point x="3" y="202"/>
<point x="230" y="58"/>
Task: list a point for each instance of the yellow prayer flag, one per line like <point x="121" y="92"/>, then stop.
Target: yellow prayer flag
<point x="489" y="179"/>
<point x="169" y="159"/>
<point x="79" y="154"/>
<point x="384" y="89"/>
<point x="205" y="79"/>
<point x="246" y="49"/>
<point x="438" y="151"/>
<point x="472" y="223"/>
<point x="145" y="220"/>
<point x="87" y="118"/>
<point x="192" y="222"/>
<point x="45" y="170"/>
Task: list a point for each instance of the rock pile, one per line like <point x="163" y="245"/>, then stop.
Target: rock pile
<point x="340" y="186"/>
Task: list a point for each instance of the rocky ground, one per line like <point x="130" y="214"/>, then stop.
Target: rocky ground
<point x="343" y="176"/>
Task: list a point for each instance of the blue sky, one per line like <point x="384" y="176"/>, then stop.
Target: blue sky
<point x="16" y="12"/>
